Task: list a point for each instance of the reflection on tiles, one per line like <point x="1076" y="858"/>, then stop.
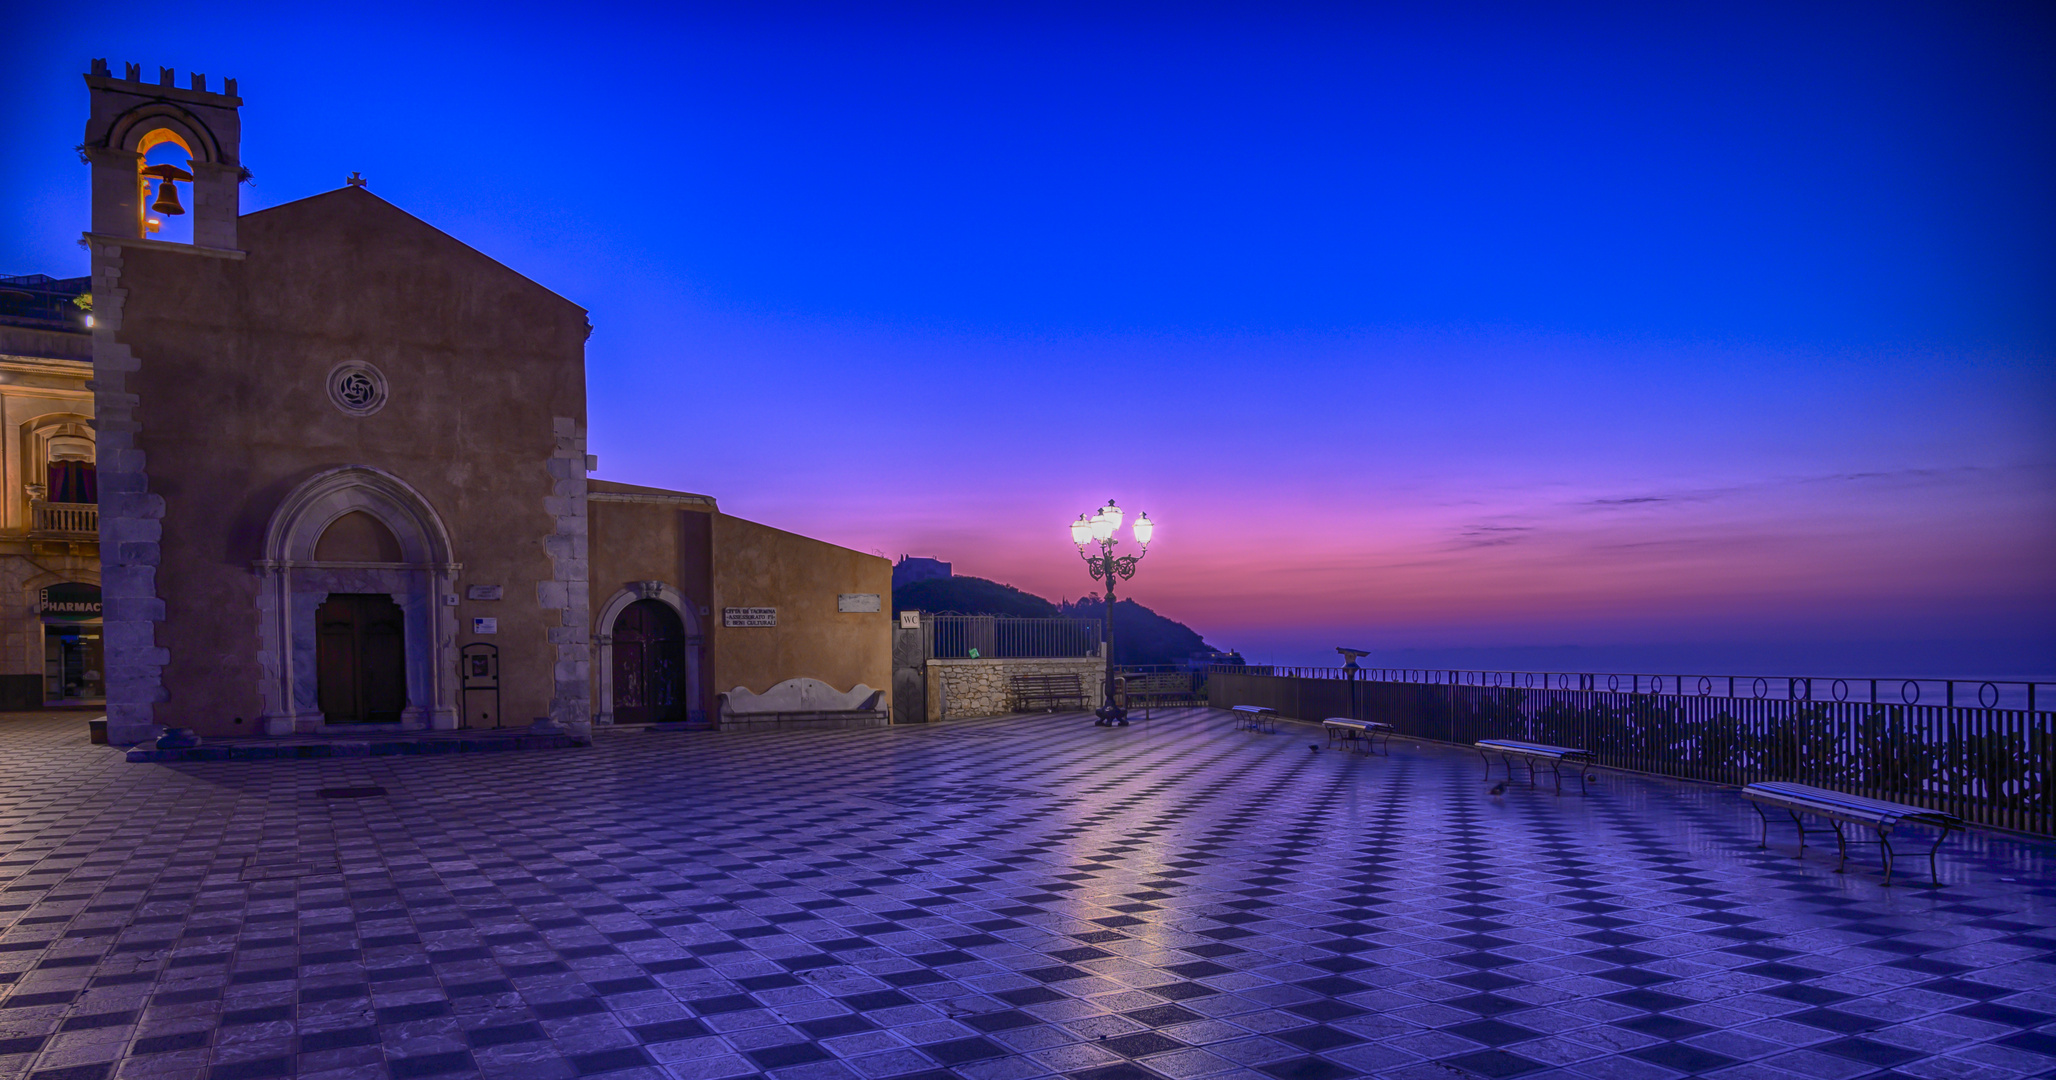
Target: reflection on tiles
<point x="1012" y="898"/>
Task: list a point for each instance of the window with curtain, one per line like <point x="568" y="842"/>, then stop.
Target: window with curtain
<point x="73" y="482"/>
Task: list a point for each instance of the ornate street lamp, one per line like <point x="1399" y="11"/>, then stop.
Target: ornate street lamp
<point x="1096" y="533"/>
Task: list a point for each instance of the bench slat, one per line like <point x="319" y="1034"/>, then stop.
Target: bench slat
<point x="1803" y="796"/>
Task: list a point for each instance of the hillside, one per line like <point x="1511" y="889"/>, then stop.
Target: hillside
<point x="970" y="596"/>
<point x="1141" y="636"/>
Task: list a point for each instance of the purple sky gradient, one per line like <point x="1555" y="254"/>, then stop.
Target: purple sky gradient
<point x="1687" y="337"/>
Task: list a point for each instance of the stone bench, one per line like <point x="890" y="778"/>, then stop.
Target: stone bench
<point x="803" y="703"/>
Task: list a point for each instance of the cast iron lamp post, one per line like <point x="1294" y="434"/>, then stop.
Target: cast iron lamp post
<point x="1097" y="532"/>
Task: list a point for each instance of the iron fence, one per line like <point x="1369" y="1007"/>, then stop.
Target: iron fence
<point x="1148" y="685"/>
<point x="961" y="637"/>
<point x="1987" y="765"/>
<point x="2028" y="695"/>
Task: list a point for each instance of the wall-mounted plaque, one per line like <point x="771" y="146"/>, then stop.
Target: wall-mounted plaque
<point x="485" y="626"/>
<point x="856" y="601"/>
<point x="749" y="616"/>
<point x="483" y="592"/>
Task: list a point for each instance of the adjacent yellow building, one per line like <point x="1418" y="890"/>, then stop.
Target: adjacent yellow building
<point x="50" y="644"/>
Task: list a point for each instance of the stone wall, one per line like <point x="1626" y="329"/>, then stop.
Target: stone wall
<point x="961" y="689"/>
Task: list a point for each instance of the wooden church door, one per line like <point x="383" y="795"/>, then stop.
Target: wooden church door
<point x="649" y="664"/>
<point x="361" y="659"/>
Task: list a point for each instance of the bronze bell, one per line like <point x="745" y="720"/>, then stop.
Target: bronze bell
<point x="167" y="177"/>
<point x="167" y="199"/>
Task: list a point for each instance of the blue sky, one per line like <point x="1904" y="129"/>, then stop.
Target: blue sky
<point x="1432" y="327"/>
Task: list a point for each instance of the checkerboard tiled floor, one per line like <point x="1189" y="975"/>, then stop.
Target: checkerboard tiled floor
<point x="995" y="900"/>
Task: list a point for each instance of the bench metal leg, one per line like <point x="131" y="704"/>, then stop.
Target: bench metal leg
<point x="1935" y="875"/>
<point x="1801" y="826"/>
<point x="1373" y="740"/>
<point x="1842" y="844"/>
<point x="1885" y="851"/>
<point x="1488" y="765"/>
<point x="1758" y="807"/>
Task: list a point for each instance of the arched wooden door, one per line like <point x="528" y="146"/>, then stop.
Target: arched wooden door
<point x="649" y="664"/>
<point x="360" y="659"/>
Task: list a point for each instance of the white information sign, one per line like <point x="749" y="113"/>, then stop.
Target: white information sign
<point x="485" y="626"/>
<point x="749" y="616"/>
<point x="857" y="601"/>
<point x="910" y="620"/>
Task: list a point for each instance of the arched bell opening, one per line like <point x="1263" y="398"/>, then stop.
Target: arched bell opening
<point x="165" y="176"/>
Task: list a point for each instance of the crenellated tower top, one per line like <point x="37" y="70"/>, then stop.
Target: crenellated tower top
<point x="129" y="116"/>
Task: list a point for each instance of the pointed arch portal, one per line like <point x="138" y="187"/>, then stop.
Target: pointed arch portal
<point x="353" y="632"/>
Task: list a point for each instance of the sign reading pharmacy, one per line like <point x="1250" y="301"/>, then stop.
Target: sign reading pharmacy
<point x="71" y="601"/>
<point x="749" y="616"/>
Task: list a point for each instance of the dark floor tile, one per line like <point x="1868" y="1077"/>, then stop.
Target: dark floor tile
<point x="1140" y="1044"/>
<point x="1317" y="1038"/>
<point x="503" y="1034"/>
<point x="959" y="1051"/>
<point x="1009" y="1019"/>
<point x="1491" y="1032"/>
<point x="1870" y="1052"/>
<point x="1663" y="1027"/>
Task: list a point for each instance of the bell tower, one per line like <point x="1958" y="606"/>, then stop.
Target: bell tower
<point x="128" y="117"/>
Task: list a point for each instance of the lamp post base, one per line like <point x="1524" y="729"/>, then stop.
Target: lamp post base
<point x="1110" y="715"/>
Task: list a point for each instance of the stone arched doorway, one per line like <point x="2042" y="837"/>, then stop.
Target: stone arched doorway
<point x="649" y="657"/>
<point x="355" y="564"/>
<point x="649" y="664"/>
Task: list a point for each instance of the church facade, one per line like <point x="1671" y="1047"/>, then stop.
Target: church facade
<point x="343" y="484"/>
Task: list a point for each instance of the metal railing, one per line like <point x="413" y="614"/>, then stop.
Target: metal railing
<point x="1162" y="684"/>
<point x="2025" y="694"/>
<point x="72" y="518"/>
<point x="1988" y="765"/>
<point x="960" y="637"/>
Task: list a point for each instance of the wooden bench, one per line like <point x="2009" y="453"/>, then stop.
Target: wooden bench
<point x="1358" y="734"/>
<point x="1255" y="718"/>
<point x="1048" y="692"/>
<point x="1509" y="749"/>
<point x="1839" y="807"/>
